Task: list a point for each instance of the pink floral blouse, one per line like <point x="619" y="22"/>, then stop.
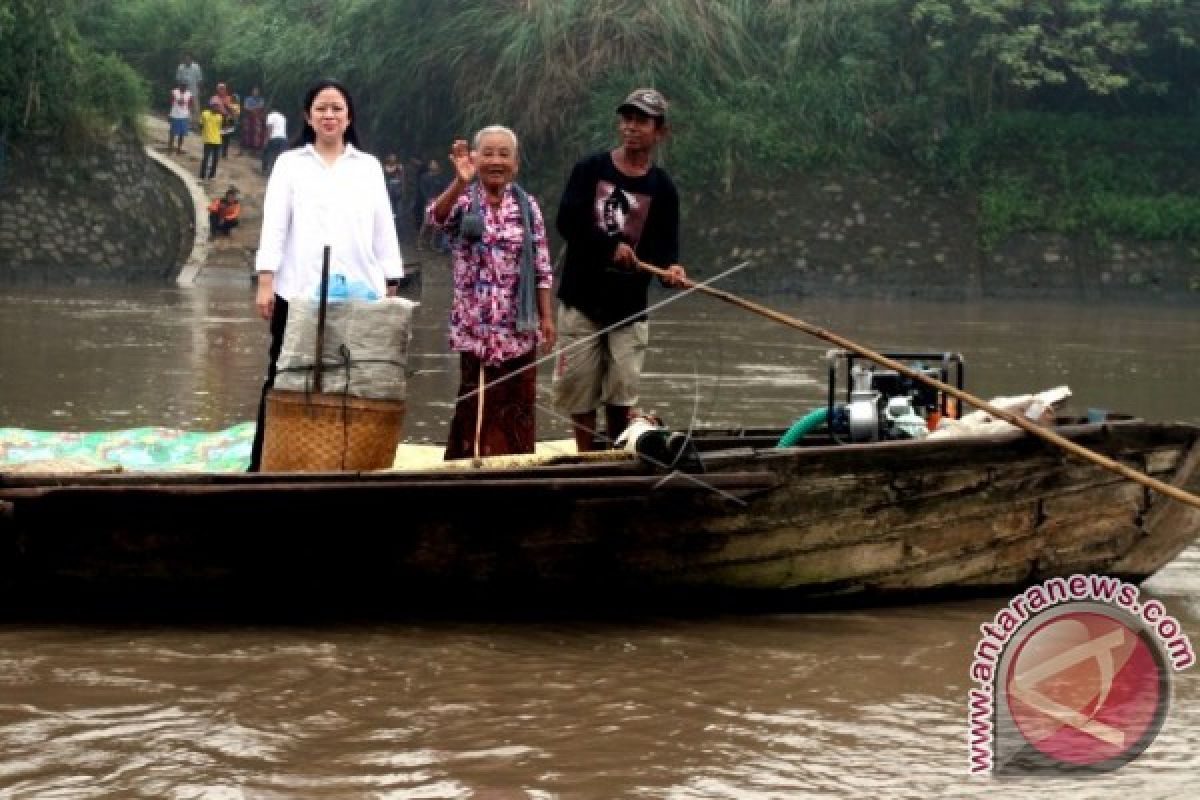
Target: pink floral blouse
<point x="483" y="313"/>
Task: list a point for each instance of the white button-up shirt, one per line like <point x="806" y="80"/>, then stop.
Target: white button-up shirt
<point x="309" y="205"/>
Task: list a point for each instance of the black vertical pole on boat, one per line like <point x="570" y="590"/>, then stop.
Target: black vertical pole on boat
<point x="321" y="320"/>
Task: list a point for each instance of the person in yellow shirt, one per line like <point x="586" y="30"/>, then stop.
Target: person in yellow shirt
<point x="211" y="120"/>
<point x="223" y="213"/>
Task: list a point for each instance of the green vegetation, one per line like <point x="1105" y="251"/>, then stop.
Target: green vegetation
<point x="53" y="83"/>
<point x="1077" y="116"/>
<point x="1065" y="115"/>
<point x="1080" y="173"/>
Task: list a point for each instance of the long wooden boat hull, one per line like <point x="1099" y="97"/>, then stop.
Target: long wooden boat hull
<point x="829" y="520"/>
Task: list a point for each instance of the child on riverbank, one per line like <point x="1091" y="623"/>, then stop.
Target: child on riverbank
<point x="224" y="213"/>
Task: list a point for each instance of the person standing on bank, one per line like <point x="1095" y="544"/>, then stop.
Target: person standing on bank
<point x="324" y="191"/>
<point x="430" y="186"/>
<point x="253" y="113"/>
<point x="276" y="125"/>
<point x="393" y="175"/>
<point x="180" y="116"/>
<point x="618" y="208"/>
<point x="190" y="75"/>
<point x="211" y="120"/>
<point x="501" y="308"/>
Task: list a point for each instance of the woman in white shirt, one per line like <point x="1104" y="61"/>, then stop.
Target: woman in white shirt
<point x="324" y="191"/>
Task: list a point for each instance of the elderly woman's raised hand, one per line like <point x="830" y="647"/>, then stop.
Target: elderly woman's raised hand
<point x="464" y="164"/>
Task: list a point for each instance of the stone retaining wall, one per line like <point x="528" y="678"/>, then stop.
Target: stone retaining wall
<point x="118" y="216"/>
<point x="1040" y="265"/>
<point x="888" y="235"/>
<point x="109" y="216"/>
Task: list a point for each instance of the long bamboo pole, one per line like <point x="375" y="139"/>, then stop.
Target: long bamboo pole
<point x="1018" y="420"/>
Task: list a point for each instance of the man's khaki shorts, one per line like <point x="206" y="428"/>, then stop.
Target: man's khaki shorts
<point x="592" y="370"/>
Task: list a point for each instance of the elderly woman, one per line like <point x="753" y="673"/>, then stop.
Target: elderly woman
<point x="501" y="309"/>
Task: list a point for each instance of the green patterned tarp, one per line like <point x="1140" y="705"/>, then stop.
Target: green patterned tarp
<point x="144" y="449"/>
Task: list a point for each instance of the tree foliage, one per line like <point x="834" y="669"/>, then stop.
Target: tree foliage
<point x="821" y="79"/>
<point x="54" y="83"/>
<point x="1012" y="51"/>
<point x="758" y="87"/>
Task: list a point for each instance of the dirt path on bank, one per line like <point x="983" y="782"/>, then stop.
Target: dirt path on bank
<point x="232" y="256"/>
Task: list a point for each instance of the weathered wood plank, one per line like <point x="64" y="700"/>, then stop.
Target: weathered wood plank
<point x="1170" y="526"/>
<point x="1106" y="538"/>
<point x="794" y="570"/>
<point x="1122" y="495"/>
<point x="977" y="569"/>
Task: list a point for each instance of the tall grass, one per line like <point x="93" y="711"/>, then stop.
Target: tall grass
<point x="536" y="64"/>
<point x="759" y="88"/>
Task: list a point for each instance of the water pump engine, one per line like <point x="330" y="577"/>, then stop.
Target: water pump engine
<point x="881" y="403"/>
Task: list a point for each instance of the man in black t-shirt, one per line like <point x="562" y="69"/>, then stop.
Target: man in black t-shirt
<point x="618" y="209"/>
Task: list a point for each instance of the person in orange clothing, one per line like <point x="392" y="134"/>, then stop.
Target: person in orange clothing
<point x="224" y="213"/>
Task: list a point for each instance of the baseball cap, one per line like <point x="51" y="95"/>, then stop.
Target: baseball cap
<point x="648" y="101"/>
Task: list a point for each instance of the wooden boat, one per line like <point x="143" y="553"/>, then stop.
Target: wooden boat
<point x="741" y="518"/>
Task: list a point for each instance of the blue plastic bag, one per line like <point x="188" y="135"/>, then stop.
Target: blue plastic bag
<point x="340" y="289"/>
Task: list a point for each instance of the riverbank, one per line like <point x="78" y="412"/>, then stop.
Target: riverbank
<point x="219" y="259"/>
<point x="893" y="234"/>
<point x="120" y="215"/>
<point x="127" y="211"/>
<point x="105" y="214"/>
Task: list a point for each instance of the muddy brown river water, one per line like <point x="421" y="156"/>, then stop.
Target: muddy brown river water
<point x="852" y="703"/>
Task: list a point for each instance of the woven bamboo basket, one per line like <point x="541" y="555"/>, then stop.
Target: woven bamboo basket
<point x="308" y="432"/>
